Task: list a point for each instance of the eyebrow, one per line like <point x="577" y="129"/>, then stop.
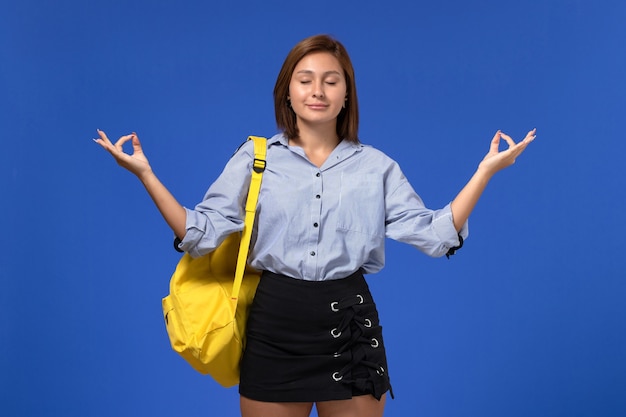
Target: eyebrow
<point x="331" y="72"/>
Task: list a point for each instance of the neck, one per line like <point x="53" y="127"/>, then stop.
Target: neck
<point x="316" y="137"/>
<point x="317" y="143"/>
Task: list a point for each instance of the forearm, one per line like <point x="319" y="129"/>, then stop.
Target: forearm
<point x="466" y="200"/>
<point x="171" y="210"/>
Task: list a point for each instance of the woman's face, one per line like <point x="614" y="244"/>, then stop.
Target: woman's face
<point x="317" y="89"/>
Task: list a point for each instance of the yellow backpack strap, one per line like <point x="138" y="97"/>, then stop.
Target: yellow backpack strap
<point x="258" y="166"/>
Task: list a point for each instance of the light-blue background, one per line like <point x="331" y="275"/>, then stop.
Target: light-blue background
<point x="528" y="319"/>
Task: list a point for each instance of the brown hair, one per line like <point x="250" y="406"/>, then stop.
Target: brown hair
<point x="348" y="118"/>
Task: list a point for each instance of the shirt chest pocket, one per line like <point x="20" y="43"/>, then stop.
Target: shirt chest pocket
<point x="361" y="206"/>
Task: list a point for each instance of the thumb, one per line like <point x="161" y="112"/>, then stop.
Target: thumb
<point x="136" y="143"/>
<point x="495" y="142"/>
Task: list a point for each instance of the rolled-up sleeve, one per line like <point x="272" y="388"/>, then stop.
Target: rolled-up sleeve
<point x="443" y="224"/>
<point x="221" y="211"/>
<point x="408" y="220"/>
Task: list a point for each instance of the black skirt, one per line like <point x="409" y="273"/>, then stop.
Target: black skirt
<point x="309" y="341"/>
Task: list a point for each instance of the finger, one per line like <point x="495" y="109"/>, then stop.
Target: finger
<point x="508" y="139"/>
<point x="136" y="143"/>
<point x="104" y="141"/>
<point x="519" y="148"/>
<point x="530" y="136"/>
<point x="495" y="142"/>
<point x="103" y="136"/>
<point x="100" y="142"/>
<point x="121" y="141"/>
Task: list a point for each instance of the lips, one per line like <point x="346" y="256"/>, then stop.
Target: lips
<point x="317" y="106"/>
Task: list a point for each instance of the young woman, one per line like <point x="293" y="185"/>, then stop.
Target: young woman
<point x="326" y="205"/>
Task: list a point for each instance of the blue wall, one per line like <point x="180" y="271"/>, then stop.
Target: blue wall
<point x="528" y="319"/>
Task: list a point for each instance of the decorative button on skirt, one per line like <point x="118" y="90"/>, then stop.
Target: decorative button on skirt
<point x="313" y="341"/>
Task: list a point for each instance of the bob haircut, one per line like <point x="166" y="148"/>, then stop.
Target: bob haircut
<point x="348" y="118"/>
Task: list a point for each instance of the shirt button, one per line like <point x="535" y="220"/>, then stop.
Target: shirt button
<point x="318" y="196"/>
<point x="315" y="224"/>
<point x="318" y="174"/>
<point x="312" y="253"/>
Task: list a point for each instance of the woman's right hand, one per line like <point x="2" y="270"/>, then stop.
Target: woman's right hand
<point x="137" y="163"/>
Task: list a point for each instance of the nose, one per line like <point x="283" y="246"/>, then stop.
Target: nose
<point x="318" y="90"/>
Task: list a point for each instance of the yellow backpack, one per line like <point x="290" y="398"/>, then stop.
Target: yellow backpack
<point x="206" y="311"/>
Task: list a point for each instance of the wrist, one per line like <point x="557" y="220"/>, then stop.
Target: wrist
<point x="483" y="175"/>
<point x="147" y="176"/>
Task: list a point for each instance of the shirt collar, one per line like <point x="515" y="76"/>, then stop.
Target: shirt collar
<point x="343" y="146"/>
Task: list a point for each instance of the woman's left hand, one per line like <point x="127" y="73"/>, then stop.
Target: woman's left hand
<point x="495" y="160"/>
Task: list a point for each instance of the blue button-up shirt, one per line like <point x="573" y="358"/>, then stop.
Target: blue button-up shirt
<point x="319" y="223"/>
